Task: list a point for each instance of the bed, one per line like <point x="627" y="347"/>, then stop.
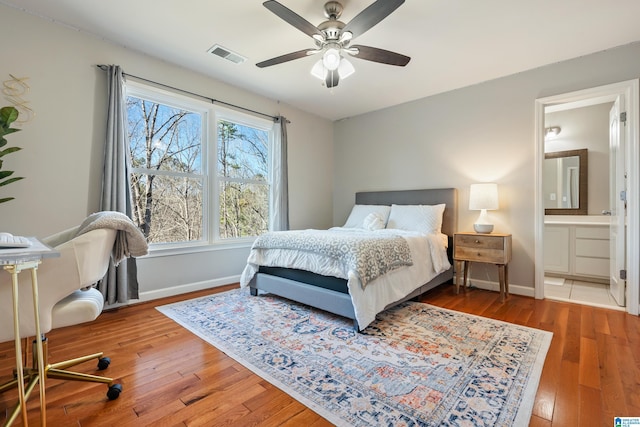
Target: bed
<point x="346" y="296"/>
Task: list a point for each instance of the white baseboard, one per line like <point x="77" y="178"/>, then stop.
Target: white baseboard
<point x="495" y="286"/>
<point x="185" y="288"/>
<point x="206" y="284"/>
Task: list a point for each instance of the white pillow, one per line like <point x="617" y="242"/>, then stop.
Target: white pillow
<point x="422" y="218"/>
<point x="360" y="212"/>
<point x="373" y="221"/>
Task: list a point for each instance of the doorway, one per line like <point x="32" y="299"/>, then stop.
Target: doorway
<point x="575" y="186"/>
<point x="627" y="94"/>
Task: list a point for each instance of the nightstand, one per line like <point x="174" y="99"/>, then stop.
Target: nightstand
<point x="494" y="248"/>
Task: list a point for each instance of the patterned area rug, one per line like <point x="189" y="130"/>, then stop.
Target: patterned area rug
<point x="416" y="365"/>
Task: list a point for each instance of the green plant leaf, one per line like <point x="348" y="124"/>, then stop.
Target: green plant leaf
<point x="11" y="130"/>
<point x="4" y="174"/>
<point x="9" y="151"/>
<point x="8" y="115"/>
<point x="9" y="181"/>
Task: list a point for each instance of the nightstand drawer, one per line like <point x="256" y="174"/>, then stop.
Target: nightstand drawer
<point x="480" y="254"/>
<point x="483" y="241"/>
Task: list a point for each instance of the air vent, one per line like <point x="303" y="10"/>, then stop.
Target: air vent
<point x="225" y="53"/>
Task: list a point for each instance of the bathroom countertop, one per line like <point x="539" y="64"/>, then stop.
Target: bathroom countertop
<point x="577" y="220"/>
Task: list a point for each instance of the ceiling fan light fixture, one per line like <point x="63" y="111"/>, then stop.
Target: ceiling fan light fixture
<point x="318" y="71"/>
<point x="331" y="59"/>
<point x="345" y="69"/>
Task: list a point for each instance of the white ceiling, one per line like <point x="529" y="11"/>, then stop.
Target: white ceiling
<point x="452" y="43"/>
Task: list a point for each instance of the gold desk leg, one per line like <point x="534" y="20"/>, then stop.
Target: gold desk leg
<point x="39" y="352"/>
<point x="13" y="270"/>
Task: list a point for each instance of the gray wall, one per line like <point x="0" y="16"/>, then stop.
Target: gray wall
<point x="63" y="145"/>
<point x="480" y="133"/>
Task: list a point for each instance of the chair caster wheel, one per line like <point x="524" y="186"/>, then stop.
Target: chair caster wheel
<point x="114" y="391"/>
<point x="103" y="363"/>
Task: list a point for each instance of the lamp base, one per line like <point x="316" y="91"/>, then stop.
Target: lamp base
<point x="482" y="224"/>
<point x="483" y="228"/>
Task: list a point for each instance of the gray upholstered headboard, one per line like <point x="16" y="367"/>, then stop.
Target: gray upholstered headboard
<point x="448" y="196"/>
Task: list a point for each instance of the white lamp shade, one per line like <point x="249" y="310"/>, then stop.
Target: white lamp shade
<point x="483" y="196"/>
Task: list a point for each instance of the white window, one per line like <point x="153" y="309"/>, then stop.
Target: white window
<point x="200" y="172"/>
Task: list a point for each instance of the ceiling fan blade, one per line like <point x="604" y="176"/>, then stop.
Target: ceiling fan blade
<point x="292" y="18"/>
<point x="288" y="57"/>
<point x="369" y="17"/>
<point x="380" y="55"/>
<point x="332" y="78"/>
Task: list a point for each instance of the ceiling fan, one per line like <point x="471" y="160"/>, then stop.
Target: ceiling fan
<point x="333" y="37"/>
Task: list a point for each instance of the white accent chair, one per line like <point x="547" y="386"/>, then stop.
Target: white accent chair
<point x="66" y="298"/>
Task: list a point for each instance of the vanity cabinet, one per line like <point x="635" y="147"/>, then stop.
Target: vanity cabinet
<point x="577" y="250"/>
<point x="556" y="249"/>
<point x="580" y="250"/>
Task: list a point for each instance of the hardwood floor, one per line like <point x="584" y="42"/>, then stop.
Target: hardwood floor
<point x="173" y="378"/>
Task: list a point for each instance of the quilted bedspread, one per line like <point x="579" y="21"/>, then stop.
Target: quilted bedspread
<point x="370" y="254"/>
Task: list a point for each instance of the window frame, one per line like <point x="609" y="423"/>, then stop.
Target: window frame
<point x="210" y="115"/>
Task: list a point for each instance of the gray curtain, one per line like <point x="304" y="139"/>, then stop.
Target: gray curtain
<point x="279" y="200"/>
<point x="120" y="283"/>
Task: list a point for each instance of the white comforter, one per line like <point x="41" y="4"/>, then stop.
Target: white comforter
<point x="429" y="254"/>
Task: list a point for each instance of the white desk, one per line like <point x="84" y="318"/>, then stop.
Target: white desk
<point x="15" y="261"/>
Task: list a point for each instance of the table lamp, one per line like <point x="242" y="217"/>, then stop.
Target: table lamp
<point x="483" y="197"/>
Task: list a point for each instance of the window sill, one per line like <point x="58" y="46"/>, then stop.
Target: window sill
<point x="170" y="250"/>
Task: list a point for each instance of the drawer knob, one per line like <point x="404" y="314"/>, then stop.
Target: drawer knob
<point x="477" y="241"/>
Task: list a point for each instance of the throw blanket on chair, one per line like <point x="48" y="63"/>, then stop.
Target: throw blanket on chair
<point x="130" y="242"/>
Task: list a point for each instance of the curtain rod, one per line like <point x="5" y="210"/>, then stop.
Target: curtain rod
<point x="212" y="100"/>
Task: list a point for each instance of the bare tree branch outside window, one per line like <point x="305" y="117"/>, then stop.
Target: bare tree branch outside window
<point x="169" y="180"/>
<point x="243" y="176"/>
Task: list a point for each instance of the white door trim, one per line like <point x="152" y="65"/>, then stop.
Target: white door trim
<point x="630" y="90"/>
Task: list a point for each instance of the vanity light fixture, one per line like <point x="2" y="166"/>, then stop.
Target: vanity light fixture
<point x="483" y="197"/>
<point x="551" y="132"/>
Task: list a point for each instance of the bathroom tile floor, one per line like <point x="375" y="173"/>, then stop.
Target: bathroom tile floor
<point x="588" y="293"/>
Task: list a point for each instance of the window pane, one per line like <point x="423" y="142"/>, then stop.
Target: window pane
<point x="172" y="207"/>
<point x="244" y="209"/>
<point x="163" y="137"/>
<point x="242" y="151"/>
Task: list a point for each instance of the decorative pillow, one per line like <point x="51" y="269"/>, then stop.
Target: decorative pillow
<point x="422" y="218"/>
<point x="373" y="221"/>
<point x="360" y="212"/>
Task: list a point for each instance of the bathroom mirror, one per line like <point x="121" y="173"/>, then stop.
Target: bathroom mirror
<point x="564" y="182"/>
